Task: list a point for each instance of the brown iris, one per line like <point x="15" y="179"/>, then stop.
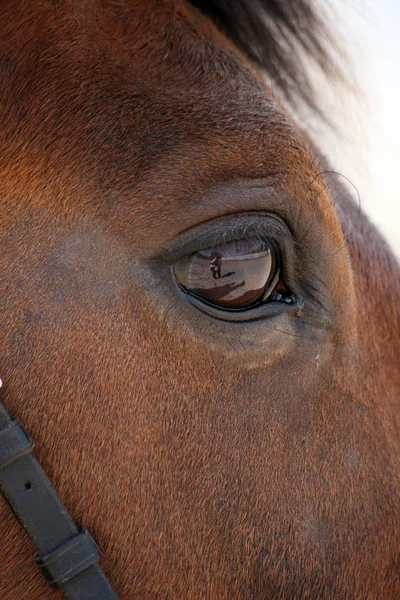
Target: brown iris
<point x="234" y="275"/>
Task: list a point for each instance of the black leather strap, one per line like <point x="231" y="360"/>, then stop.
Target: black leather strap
<point x="67" y="557"/>
<point x="14" y="443"/>
<point x="67" y="561"/>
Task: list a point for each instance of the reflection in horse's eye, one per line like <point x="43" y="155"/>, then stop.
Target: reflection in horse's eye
<point x="234" y="275"/>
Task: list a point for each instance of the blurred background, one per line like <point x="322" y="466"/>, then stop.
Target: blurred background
<point x="366" y="147"/>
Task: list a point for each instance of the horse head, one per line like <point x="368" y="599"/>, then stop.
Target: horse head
<point x="229" y="436"/>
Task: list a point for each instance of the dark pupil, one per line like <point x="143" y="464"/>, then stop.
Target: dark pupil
<point x="237" y="274"/>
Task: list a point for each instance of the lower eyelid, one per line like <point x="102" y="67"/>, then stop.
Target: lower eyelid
<point x="260" y="312"/>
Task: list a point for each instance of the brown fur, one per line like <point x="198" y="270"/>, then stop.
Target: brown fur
<point x="208" y="459"/>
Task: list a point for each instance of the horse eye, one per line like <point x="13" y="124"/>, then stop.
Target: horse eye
<point x="235" y="275"/>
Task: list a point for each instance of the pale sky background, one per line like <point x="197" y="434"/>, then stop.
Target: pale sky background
<point x="368" y="151"/>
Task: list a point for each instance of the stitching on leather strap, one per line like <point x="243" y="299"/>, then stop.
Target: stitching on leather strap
<point x="14" y="443"/>
<point x="68" y="560"/>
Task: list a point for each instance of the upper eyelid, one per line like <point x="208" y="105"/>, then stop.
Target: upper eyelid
<point x="267" y="226"/>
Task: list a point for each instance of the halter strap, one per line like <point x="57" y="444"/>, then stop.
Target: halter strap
<point x="68" y="557"/>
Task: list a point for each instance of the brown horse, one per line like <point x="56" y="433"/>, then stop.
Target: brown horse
<point x="238" y="450"/>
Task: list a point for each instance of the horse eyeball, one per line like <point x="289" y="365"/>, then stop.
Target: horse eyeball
<point x="234" y="275"/>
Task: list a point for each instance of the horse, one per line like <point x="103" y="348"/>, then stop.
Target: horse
<point x="218" y="443"/>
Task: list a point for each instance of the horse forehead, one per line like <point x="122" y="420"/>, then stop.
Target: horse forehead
<point x="172" y="75"/>
<point x="157" y="65"/>
<point x="145" y="96"/>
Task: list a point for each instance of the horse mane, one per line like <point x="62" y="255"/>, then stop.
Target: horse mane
<point x="277" y="35"/>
